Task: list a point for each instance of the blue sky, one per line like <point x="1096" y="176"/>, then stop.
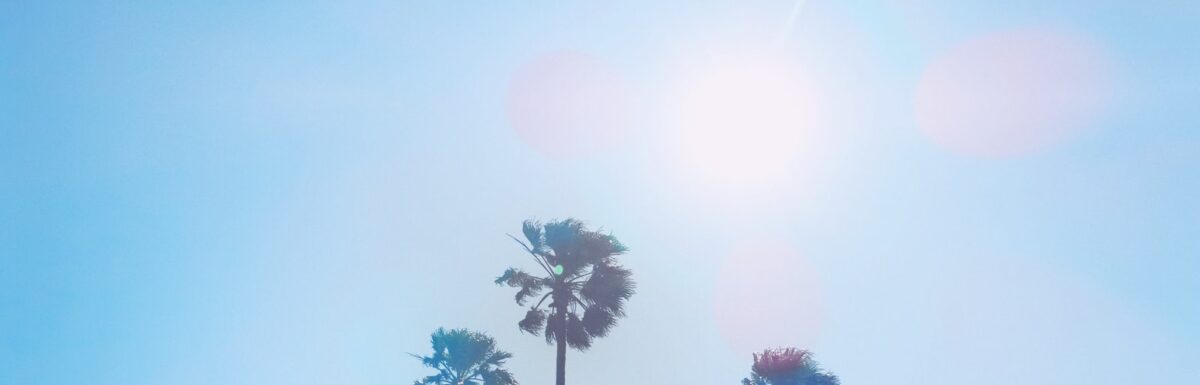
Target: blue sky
<point x="216" y="192"/>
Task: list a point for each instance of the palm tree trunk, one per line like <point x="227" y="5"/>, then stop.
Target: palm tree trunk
<point x="561" y="336"/>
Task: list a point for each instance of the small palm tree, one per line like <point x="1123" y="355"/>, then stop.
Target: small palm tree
<point x="586" y="287"/>
<point x="464" y="357"/>
<point x="788" y="366"/>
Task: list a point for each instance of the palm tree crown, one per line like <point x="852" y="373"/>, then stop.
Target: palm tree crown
<point x="788" y="366"/>
<point x="464" y="357"/>
<point x="586" y="286"/>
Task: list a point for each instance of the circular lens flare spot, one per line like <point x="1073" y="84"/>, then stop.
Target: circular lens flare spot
<point x="1013" y="92"/>
<point x="568" y="104"/>
<point x="767" y="297"/>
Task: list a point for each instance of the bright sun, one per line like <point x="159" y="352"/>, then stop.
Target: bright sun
<point x="742" y="121"/>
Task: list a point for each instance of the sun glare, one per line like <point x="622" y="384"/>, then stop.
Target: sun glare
<point x="742" y="121"/>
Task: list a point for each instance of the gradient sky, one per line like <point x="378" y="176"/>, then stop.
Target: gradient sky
<point x="282" y="193"/>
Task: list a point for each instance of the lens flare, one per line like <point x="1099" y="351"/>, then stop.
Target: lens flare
<point x="767" y="297"/>
<point x="742" y="121"/>
<point x="1013" y="92"/>
<point x="569" y="104"/>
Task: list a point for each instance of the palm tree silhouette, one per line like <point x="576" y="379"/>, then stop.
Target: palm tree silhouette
<point x="788" y="366"/>
<point x="586" y="287"/>
<point x="464" y="357"/>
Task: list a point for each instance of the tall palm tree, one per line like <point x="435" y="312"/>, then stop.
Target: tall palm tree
<point x="788" y="366"/>
<point x="464" y="357"/>
<point x="586" y="287"/>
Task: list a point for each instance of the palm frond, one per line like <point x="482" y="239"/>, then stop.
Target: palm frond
<point x="609" y="286"/>
<point x="533" y="233"/>
<point x="539" y="254"/>
<point x="594" y="247"/>
<point x="529" y="284"/>
<point x="562" y="236"/>
<point x="533" y="321"/>
<point x="824" y="378"/>
<point x="754" y="380"/>
<point x="553" y="327"/>
<point x="514" y="277"/>
<point x="425" y="360"/>
<point x="615" y="246"/>
<point x="780" y="362"/>
<point x="497" y="377"/>
<point x="507" y="276"/>
<point x="577" y="336"/>
<point x="497" y="358"/>
<point x="598" y="321"/>
<point x="526" y="292"/>
<point x="432" y="380"/>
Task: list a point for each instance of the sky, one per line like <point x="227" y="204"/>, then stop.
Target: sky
<point x="919" y="192"/>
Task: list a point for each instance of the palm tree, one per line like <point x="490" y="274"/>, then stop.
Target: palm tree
<point x="586" y="287"/>
<point x="464" y="357"/>
<point x="788" y="366"/>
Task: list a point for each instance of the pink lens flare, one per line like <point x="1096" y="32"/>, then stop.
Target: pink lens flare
<point x="568" y="104"/>
<point x="1013" y="92"/>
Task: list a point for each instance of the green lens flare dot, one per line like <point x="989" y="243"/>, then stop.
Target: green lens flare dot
<point x="558" y="269"/>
